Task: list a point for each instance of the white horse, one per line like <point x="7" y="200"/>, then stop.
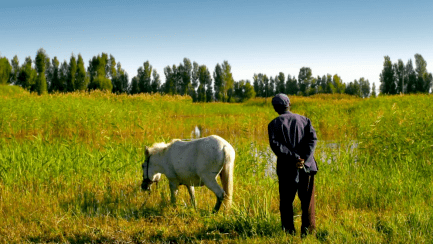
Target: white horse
<point x="192" y="163"/>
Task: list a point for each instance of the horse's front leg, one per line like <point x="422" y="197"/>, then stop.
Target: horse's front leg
<point x="191" y="191"/>
<point x="173" y="191"/>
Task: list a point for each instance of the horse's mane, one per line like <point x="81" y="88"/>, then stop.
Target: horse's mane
<point x="160" y="147"/>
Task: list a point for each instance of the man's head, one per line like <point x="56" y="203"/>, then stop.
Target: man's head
<point x="281" y="103"/>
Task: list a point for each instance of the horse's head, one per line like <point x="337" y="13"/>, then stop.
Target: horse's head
<point x="148" y="173"/>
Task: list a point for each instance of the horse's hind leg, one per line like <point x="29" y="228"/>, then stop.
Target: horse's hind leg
<point x="191" y="191"/>
<point x="212" y="184"/>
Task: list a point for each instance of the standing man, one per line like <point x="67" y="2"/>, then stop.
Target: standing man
<point x="293" y="140"/>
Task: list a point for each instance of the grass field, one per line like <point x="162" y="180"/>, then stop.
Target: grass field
<point x="70" y="169"/>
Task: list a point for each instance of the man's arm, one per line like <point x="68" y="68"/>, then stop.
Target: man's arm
<point x="278" y="148"/>
<point x="309" y="141"/>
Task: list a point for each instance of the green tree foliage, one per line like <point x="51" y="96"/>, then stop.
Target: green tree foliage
<point x="410" y="77"/>
<point x="5" y="71"/>
<point x="15" y="63"/>
<point x="63" y="76"/>
<point x="359" y="88"/>
<point x="318" y="85"/>
<point x="330" y="88"/>
<point x="387" y="78"/>
<point x="120" y="81"/>
<point x="72" y="72"/>
<point x="338" y="84"/>
<point x="228" y="80"/>
<point x="134" y="87"/>
<point x="265" y="85"/>
<point x="291" y="85"/>
<point x="365" y="87"/>
<point x="243" y="91"/>
<point x="170" y="85"/>
<point x="304" y="80"/>
<point x="423" y="81"/>
<point x="280" y="83"/>
<point x="218" y="82"/>
<point x="353" y="88"/>
<point x="185" y="73"/>
<point x="399" y="70"/>
<point x="27" y="75"/>
<point x="81" y="78"/>
<point x="144" y="74"/>
<point x="205" y="93"/>
<point x="40" y="65"/>
<point x="98" y="70"/>
<point x="323" y="84"/>
<point x="258" y="91"/>
<point x="112" y="72"/>
<point x="53" y="75"/>
<point x="272" y="86"/>
<point x="373" y="92"/>
<point x="194" y="82"/>
<point x="156" y="82"/>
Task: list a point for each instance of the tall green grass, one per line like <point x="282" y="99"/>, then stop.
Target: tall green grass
<point x="70" y="170"/>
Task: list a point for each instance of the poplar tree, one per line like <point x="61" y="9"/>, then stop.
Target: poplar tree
<point x="15" y="69"/>
<point x="374" y="92"/>
<point x="291" y="85"/>
<point x="228" y="80"/>
<point x="330" y="88"/>
<point x="387" y="80"/>
<point x="98" y="70"/>
<point x="280" y="86"/>
<point x="256" y="84"/>
<point x="304" y="80"/>
<point x="72" y="72"/>
<point x="423" y="82"/>
<point x="81" y="78"/>
<point x="5" y="71"/>
<point x="41" y="80"/>
<point x="272" y="86"/>
<point x="205" y="93"/>
<point x="156" y="82"/>
<point x="169" y="85"/>
<point x="185" y="74"/>
<point x="410" y="77"/>
<point x="27" y="75"/>
<point x="63" y="76"/>
<point x="364" y="87"/>
<point x="399" y="72"/>
<point x="134" y="88"/>
<point x="54" y="76"/>
<point x="338" y="84"/>
<point x="194" y="82"/>
<point x="265" y="86"/>
<point x="144" y="74"/>
<point x="218" y="82"/>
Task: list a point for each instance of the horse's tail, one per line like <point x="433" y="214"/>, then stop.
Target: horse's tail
<point x="227" y="175"/>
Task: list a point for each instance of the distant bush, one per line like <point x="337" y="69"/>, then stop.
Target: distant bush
<point x="9" y="90"/>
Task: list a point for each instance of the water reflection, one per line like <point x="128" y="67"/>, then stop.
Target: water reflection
<point x="328" y="152"/>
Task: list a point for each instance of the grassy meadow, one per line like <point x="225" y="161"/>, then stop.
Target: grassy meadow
<point x="70" y="169"/>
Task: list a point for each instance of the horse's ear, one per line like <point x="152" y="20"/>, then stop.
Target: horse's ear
<point x="146" y="151"/>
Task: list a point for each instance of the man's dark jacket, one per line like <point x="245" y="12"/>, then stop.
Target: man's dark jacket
<point x="292" y="137"/>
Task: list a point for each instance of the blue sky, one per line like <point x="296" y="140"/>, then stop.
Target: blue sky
<point x="348" y="38"/>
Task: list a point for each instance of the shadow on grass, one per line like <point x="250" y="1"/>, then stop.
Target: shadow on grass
<point x="129" y="204"/>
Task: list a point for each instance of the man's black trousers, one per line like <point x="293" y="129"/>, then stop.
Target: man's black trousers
<point x="305" y="187"/>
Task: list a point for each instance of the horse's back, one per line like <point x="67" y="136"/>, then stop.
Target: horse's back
<point x="204" y="154"/>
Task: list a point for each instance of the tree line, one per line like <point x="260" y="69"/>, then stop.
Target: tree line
<point x="44" y="75"/>
<point x="399" y="78"/>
